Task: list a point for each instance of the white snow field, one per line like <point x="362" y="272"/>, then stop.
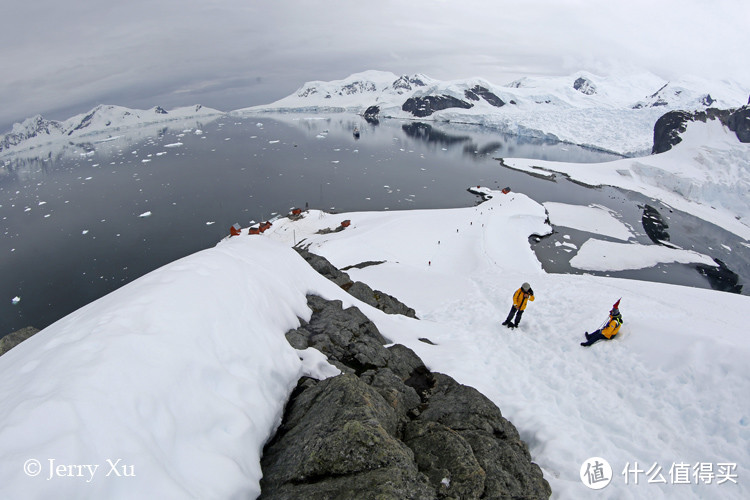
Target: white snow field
<point x="182" y="374"/>
<point x="706" y="175"/>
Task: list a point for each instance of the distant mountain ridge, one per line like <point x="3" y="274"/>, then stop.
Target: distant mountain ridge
<point x="38" y="130"/>
<point x="615" y="114"/>
<point x="611" y="113"/>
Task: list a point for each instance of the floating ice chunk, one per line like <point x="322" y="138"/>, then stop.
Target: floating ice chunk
<point x="85" y="231"/>
<point x="211" y="222"/>
<point x="145" y="160"/>
<point x="161" y="153"/>
<point x="259" y="125"/>
<point x="145" y="214"/>
<point x="198" y="132"/>
<point x="173" y="145"/>
<point x="42" y="203"/>
<point x="15" y="300"/>
<point x="320" y="136"/>
<point x="274" y="142"/>
<point x="335" y="161"/>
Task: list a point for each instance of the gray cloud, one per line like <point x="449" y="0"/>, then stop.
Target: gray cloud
<point x="64" y="57"/>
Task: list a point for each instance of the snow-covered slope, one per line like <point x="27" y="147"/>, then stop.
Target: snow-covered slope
<point x="183" y="374"/>
<point x="707" y="174"/>
<point x="612" y="113"/>
<point x="103" y="119"/>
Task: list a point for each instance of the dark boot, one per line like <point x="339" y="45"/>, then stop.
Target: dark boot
<point x="518" y="318"/>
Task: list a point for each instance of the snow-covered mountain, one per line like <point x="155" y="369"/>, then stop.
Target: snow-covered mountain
<point x="612" y="113"/>
<point x="37" y="131"/>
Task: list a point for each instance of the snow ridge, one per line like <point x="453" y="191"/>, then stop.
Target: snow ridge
<point x="37" y="131"/>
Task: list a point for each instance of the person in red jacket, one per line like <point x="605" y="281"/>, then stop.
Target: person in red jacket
<point x="609" y="330"/>
<point x="522" y="297"/>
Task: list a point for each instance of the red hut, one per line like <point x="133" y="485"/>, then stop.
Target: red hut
<point x="346" y="223"/>
<point x="506" y="190"/>
<point x="254" y="230"/>
<point x="235" y="230"/>
<point x="296" y="211"/>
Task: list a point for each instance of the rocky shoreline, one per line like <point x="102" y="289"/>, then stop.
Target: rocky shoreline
<point x="388" y="427"/>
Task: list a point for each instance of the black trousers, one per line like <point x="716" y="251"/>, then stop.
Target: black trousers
<point x="513" y="311"/>
<point x="593" y="337"/>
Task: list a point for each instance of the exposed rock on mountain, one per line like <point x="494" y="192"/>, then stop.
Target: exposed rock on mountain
<point x="377" y="299"/>
<point x="584" y="86"/>
<point x="408" y="83"/>
<point x="102" y="119"/>
<point x="739" y="123"/>
<point x="668" y="128"/>
<point x="371" y="115"/>
<point x="29" y="129"/>
<point x="427" y="105"/>
<point x="388" y="428"/>
<point x="478" y="91"/>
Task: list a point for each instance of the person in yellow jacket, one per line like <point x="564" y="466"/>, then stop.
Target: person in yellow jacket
<point x="609" y="330"/>
<point x="522" y="297"/>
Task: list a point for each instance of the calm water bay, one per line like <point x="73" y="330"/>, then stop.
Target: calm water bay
<point x="81" y="221"/>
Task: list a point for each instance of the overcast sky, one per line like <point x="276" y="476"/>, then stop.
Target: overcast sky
<point x="62" y="57"/>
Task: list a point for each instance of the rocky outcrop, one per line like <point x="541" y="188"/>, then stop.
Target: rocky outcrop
<point x="389" y="428"/>
<point x="13" y="339"/>
<point x="478" y="91"/>
<point x="668" y="128"/>
<point x="584" y="86"/>
<point x="371" y="115"/>
<point x="427" y="105"/>
<point x="376" y="298"/>
<point x="739" y="123"/>
<point x="654" y="225"/>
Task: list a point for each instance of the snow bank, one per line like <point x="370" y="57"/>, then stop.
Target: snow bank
<point x="182" y="374"/>
<point x="598" y="255"/>
<point x="593" y="219"/>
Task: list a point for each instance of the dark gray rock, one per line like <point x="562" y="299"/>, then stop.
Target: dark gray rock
<point x="478" y="91"/>
<point x="375" y="298"/>
<point x="739" y="123"/>
<point x="427" y="105"/>
<point x="584" y="86"/>
<point x="338" y="440"/>
<point x="654" y="225"/>
<point x="389" y="427"/>
<point x="495" y="442"/>
<point x="447" y="460"/>
<point x="668" y="128"/>
<point x="371" y="115"/>
<point x="324" y="267"/>
<point x="13" y="339"/>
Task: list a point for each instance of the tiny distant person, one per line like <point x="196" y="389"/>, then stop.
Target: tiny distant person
<point x="610" y="328"/>
<point x="522" y="297"/>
